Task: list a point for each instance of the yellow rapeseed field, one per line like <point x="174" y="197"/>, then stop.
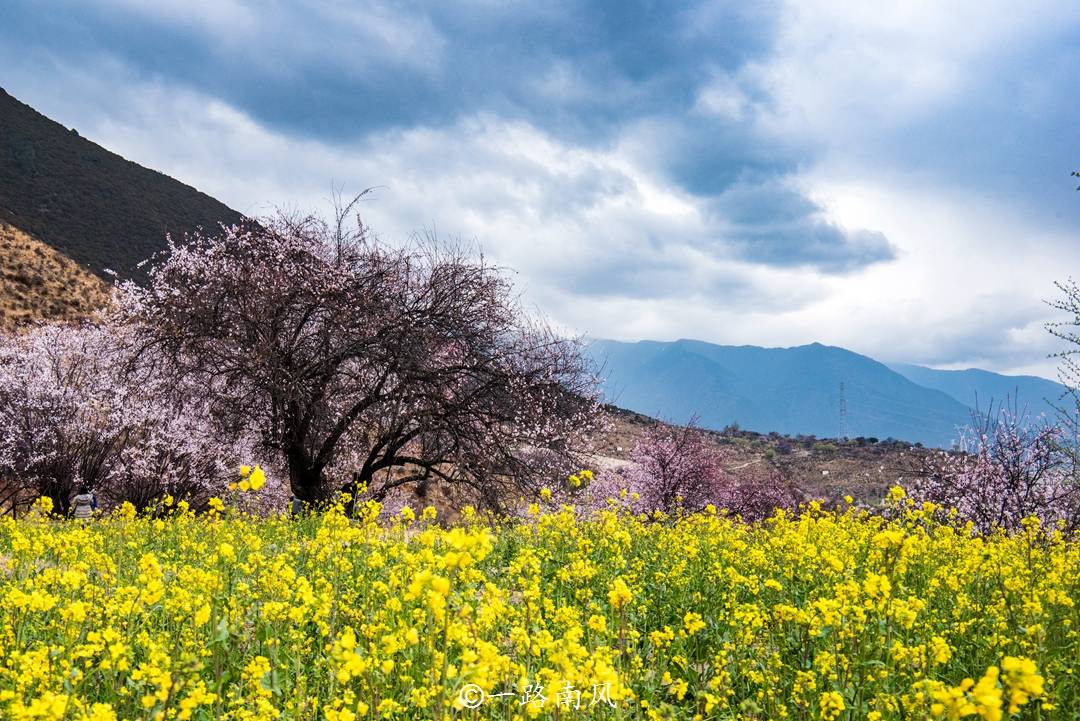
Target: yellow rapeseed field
<point x="817" y="615"/>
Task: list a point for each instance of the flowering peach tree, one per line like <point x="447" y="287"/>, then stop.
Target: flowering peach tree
<point x="677" y="468"/>
<point x="1009" y="467"/>
<point x="364" y="366"/>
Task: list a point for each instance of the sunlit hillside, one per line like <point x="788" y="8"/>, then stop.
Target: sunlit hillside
<point x="37" y="282"/>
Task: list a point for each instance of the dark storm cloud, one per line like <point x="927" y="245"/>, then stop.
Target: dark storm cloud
<point x="316" y="70"/>
<point x="773" y="224"/>
<point x="583" y="72"/>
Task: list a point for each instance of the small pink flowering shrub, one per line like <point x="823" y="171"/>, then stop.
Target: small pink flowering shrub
<point x="675" y="468"/>
<point x="1008" y="469"/>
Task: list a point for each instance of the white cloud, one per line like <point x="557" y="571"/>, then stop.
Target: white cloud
<point x="606" y="240"/>
<point x="723" y="97"/>
<point x="608" y="248"/>
<point x="585" y="229"/>
<point x="845" y="71"/>
<point x="967" y="289"/>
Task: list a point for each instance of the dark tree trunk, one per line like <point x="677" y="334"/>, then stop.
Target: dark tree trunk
<point x="57" y="493"/>
<point x="305" y="476"/>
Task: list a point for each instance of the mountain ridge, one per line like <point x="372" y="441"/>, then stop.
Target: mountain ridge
<point x="97" y="208"/>
<point x="69" y="205"/>
<point x="791" y="390"/>
<point x="980" y="389"/>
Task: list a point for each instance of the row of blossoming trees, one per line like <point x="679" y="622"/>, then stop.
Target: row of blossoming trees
<point x="342" y="363"/>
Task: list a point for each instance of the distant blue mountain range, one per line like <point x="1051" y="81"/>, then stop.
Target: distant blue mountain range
<point x="797" y="390"/>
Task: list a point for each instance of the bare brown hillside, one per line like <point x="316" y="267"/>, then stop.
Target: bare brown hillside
<point x="38" y="282"/>
<point x="821" y="468"/>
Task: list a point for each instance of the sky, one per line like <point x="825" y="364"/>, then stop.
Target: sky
<point x="891" y="180"/>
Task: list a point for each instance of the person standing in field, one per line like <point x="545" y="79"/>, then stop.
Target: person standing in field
<point x="82" y="505"/>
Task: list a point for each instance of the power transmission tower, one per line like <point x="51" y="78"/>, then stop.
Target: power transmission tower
<point x="843" y="414"/>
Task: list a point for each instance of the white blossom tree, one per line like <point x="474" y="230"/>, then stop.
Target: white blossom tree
<point x="73" y="413"/>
